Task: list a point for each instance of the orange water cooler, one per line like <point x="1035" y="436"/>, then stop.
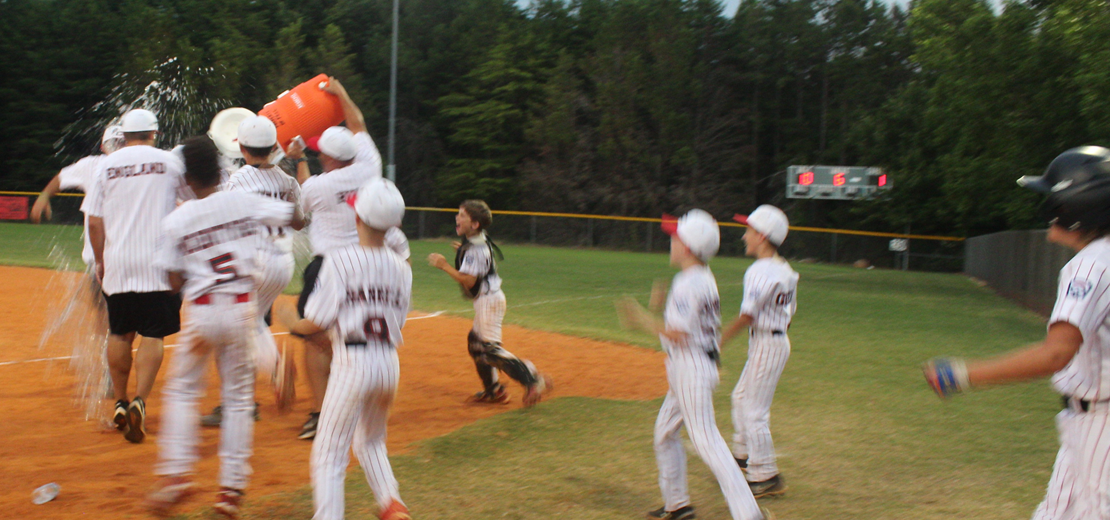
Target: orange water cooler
<point x="305" y="111"/>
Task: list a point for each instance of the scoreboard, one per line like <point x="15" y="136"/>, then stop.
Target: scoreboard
<point x="835" y="182"/>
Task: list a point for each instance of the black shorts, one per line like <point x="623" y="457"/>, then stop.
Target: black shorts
<point x="311" y="271"/>
<point x="151" y="315"/>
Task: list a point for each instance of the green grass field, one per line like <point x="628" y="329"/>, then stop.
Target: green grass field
<point x="858" y="433"/>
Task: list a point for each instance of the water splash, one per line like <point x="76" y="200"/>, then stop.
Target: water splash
<point x="173" y="91"/>
<point x="77" y="326"/>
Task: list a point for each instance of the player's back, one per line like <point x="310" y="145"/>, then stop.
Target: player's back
<point x="325" y="198"/>
<point x="770" y="294"/>
<point x="218" y="239"/>
<point x="270" y="182"/>
<point x="365" y="292"/>
<point x="694" y="307"/>
<point x="135" y="188"/>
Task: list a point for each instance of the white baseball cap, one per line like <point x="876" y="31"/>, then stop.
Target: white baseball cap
<point x="769" y="221"/>
<point x="338" y="143"/>
<point x="379" y="204"/>
<point x="698" y="230"/>
<point x="139" y="120"/>
<point x="112" y="132"/>
<point x="257" y="132"/>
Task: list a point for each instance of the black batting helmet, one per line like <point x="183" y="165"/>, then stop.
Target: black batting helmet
<point x="1078" y="186"/>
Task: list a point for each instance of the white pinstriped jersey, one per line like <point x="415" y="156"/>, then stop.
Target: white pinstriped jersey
<point x="363" y="294"/>
<point x="694" y="307"/>
<point x="396" y="240"/>
<point x="80" y="176"/>
<point x="274" y="183"/>
<point x="770" y="288"/>
<point x="135" y="188"/>
<point x="478" y="261"/>
<point x="324" y="197"/>
<point x="215" y="241"/>
<point x="1083" y="300"/>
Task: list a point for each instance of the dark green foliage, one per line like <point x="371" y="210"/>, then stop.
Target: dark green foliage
<point x="629" y="107"/>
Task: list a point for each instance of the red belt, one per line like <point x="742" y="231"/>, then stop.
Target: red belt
<point x="207" y="299"/>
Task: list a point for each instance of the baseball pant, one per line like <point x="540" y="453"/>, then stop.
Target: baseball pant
<point x="751" y="403"/>
<point x="275" y="273"/>
<point x="484" y="344"/>
<point x="360" y="392"/>
<point x="1080" y="483"/>
<point x="693" y="376"/>
<point x="220" y="327"/>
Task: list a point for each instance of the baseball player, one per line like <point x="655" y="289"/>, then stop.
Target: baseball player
<point x="1077" y="344"/>
<point x="769" y="304"/>
<point x="350" y="160"/>
<point x="212" y="251"/>
<point x="476" y="273"/>
<point x="362" y="296"/>
<point x="688" y="332"/>
<point x="135" y="187"/>
<point x="258" y="140"/>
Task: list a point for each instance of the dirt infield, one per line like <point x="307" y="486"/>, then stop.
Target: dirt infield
<point x="103" y="476"/>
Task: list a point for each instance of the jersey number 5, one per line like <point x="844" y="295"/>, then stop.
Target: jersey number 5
<point x="222" y="265"/>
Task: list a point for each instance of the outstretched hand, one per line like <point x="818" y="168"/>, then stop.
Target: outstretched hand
<point x="437" y="260"/>
<point x="946" y="376"/>
<point x="333" y="86"/>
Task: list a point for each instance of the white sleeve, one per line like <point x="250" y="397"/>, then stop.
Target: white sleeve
<point x="78" y="175"/>
<point x="757" y="290"/>
<point x="269" y="211"/>
<point x="396" y="240"/>
<point x="323" y="304"/>
<point x="307" y="200"/>
<point x="1081" y="297"/>
<point x="93" y="205"/>
<point x="368" y="153"/>
<point x="168" y="256"/>
<point x="476" y="260"/>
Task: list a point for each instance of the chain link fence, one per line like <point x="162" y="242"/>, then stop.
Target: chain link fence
<point x="642" y="234"/>
<point x="1019" y="265"/>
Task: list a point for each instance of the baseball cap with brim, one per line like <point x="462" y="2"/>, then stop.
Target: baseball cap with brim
<point x="139" y="120"/>
<point x="378" y="204"/>
<point x="313" y="143"/>
<point x="338" y="143"/>
<point x="767" y="220"/>
<point x="698" y="230"/>
<point x="257" y="132"/>
<point x="111" y="133"/>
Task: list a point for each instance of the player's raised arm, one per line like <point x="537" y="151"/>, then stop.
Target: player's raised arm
<point x="351" y="112"/>
<point x="438" y="261"/>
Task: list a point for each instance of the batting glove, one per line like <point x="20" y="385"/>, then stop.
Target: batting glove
<point x="946" y="376"/>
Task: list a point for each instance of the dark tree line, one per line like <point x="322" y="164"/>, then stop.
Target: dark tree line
<point x="629" y="107"/>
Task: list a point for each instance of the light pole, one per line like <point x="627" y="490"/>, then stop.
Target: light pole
<point x="391" y="166"/>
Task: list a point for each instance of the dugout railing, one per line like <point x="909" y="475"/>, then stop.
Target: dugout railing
<point x="837" y="246"/>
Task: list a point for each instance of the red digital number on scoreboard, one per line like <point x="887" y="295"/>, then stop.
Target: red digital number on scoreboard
<point x="882" y="180"/>
<point x="838" y="179"/>
<point x="805" y="179"/>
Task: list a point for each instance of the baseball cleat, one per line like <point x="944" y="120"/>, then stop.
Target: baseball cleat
<point x="308" y="431"/>
<point x="773" y="486"/>
<point x="682" y="513"/>
<point x="169" y="492"/>
<point x="214" y="419"/>
<point x="496" y="396"/>
<point x="136" y="421"/>
<point x="743" y="463"/>
<point x="767" y="514"/>
<point x="395" y="511"/>
<point x="228" y="501"/>
<point x="537" y="391"/>
<point x="120" y="417"/>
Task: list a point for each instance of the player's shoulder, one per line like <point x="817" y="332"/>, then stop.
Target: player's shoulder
<point x="1091" y="261"/>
